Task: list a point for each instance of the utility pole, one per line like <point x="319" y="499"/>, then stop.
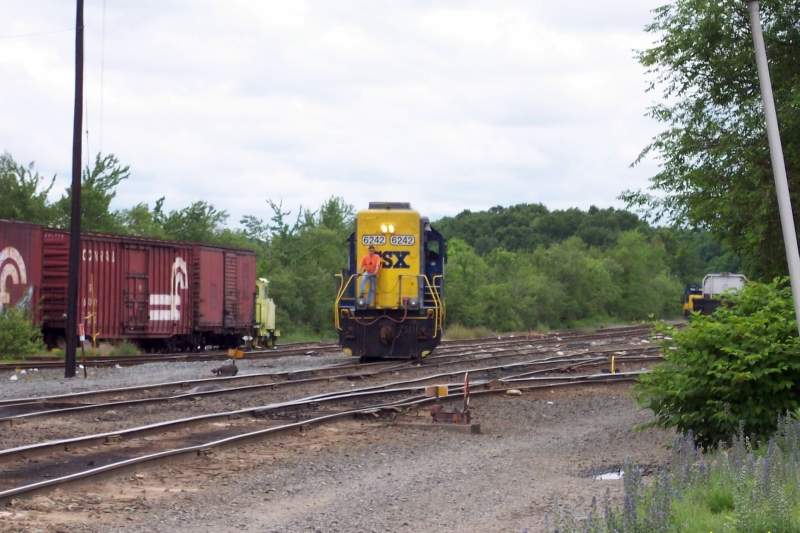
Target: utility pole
<point x="776" y="154"/>
<point x="75" y="203"/>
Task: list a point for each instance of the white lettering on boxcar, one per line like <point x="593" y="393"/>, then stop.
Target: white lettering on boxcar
<point x="12" y="268"/>
<point x="167" y="307"/>
<point x="98" y="256"/>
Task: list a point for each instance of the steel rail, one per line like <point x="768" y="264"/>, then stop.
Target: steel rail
<point x="527" y="349"/>
<point x="573" y="337"/>
<point x="9" y="493"/>
<point x="288" y="350"/>
<point x="565" y="362"/>
<point x="278" y="384"/>
<point x="175" y="423"/>
<point x="387" y="388"/>
<point x="180" y="383"/>
<point x="197" y="448"/>
<point x="539" y="348"/>
<point x="572" y="364"/>
<point x="188" y="357"/>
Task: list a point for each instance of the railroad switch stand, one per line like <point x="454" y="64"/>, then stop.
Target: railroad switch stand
<point x="442" y="416"/>
<point x="462" y="416"/>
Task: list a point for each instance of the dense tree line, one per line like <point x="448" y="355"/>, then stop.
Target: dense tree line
<point x="510" y="268"/>
<point x="690" y="252"/>
<point x="528" y="226"/>
<point x="524" y="266"/>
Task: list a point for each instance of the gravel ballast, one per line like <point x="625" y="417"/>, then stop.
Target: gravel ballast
<point x="536" y="453"/>
<point x="51" y="381"/>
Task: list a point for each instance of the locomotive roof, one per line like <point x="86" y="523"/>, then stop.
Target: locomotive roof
<point x="390" y="205"/>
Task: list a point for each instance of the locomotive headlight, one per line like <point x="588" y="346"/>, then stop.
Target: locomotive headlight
<point x="384" y="228"/>
<point x="391" y="228"/>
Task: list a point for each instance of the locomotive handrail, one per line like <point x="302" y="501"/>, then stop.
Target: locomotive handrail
<point x="438" y="310"/>
<point x="444" y="309"/>
<point x="342" y="289"/>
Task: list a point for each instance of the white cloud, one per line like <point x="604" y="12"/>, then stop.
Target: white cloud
<point x="450" y="105"/>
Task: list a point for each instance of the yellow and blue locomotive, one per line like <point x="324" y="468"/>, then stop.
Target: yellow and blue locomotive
<point x="405" y="317"/>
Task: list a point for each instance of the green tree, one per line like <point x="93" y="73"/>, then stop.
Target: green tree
<point x="335" y="214"/>
<point x="98" y="188"/>
<point x="521" y="298"/>
<point x="466" y="273"/>
<point x="716" y="169"/>
<point x="24" y="192"/>
<point x="255" y="228"/>
<point x="199" y="222"/>
<point x="641" y="271"/>
<point x="300" y="259"/>
<point x="527" y="226"/>
<point x="583" y="278"/>
<point x="142" y="221"/>
<point x="693" y="253"/>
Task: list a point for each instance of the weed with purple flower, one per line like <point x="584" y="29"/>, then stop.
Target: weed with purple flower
<point x="742" y="488"/>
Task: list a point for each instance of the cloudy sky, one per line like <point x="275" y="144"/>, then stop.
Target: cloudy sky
<point x="449" y="104"/>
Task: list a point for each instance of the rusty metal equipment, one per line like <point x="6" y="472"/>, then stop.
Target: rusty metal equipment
<point x="462" y="416"/>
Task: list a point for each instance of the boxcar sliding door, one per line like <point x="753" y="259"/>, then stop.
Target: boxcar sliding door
<point x="136" y="294"/>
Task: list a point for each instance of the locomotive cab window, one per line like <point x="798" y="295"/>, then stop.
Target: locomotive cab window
<point x="433" y="254"/>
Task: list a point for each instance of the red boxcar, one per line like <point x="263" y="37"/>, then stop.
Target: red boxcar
<point x="223" y="288"/>
<point x="20" y="265"/>
<point x="156" y="292"/>
<point x="129" y="287"/>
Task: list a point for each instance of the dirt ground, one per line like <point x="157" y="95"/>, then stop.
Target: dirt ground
<point x="536" y="452"/>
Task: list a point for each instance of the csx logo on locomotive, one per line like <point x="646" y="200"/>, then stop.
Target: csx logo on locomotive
<point x="395" y="259"/>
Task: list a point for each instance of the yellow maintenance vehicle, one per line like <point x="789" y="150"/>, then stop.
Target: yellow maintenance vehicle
<point x="265" y="334"/>
<point x="705" y="299"/>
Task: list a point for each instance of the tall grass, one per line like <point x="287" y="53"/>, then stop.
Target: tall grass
<point x="125" y="348"/>
<point x="457" y="332"/>
<point x="304" y="335"/>
<point x="739" y="489"/>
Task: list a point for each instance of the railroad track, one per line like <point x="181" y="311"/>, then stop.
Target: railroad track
<point x="49" y="464"/>
<point x="287" y="350"/>
<point x="17" y="410"/>
<point x="494" y="365"/>
<point x="504" y="356"/>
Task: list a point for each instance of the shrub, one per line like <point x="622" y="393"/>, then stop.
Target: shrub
<point x="18" y="336"/>
<point x="737" y="365"/>
<point x="125" y="348"/>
